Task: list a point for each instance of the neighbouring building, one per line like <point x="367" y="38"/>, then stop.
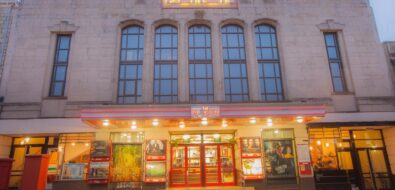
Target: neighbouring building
<point x="271" y="94"/>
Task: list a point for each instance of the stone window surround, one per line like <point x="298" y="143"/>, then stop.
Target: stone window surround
<point x="61" y="28"/>
<point x="331" y="25"/>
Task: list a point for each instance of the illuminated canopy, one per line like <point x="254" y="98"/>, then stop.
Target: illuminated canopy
<point x="199" y="4"/>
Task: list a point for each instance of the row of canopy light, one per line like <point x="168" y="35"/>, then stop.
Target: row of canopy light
<point x="204" y="122"/>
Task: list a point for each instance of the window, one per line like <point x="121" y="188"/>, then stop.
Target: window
<point x="269" y="63"/>
<point x="335" y="63"/>
<point x="130" y="68"/>
<point x="59" y="72"/>
<point x="235" y="69"/>
<point x="165" y="69"/>
<point x="200" y="64"/>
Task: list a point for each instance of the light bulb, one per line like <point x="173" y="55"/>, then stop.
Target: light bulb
<point x="253" y="120"/>
<point x="299" y="119"/>
<point x="155" y="122"/>
<point x="106" y="123"/>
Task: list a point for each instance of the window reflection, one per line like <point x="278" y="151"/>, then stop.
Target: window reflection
<point x="269" y="63"/>
<point x="200" y="64"/>
<point x="165" y="69"/>
<point x="130" y="68"/>
<point x="235" y="70"/>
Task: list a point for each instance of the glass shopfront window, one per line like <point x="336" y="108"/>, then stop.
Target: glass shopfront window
<point x="74" y="152"/>
<point x="279" y="155"/>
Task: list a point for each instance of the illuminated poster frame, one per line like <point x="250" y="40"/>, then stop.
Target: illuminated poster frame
<point x="197" y="4"/>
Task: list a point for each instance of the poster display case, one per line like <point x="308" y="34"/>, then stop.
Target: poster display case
<point x="73" y="171"/>
<point x="99" y="163"/>
<point x="251" y="158"/>
<point x="155" y="163"/>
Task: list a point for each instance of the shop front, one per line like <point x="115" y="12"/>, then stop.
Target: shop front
<point x="181" y="146"/>
<point x="350" y="157"/>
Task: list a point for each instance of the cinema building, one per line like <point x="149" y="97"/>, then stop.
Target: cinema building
<point x="154" y="94"/>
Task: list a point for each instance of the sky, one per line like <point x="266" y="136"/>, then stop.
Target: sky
<point x="385" y="18"/>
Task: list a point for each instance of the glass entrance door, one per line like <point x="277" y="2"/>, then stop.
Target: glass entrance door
<point x="186" y="166"/>
<point x="373" y="165"/>
<point x="374" y="170"/>
<point x="219" y="165"/>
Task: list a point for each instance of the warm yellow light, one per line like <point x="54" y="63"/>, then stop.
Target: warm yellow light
<point x="86" y="144"/>
<point x="224" y="123"/>
<point x="204" y="121"/>
<point x="327" y="144"/>
<point x="269" y="124"/>
<point x="133" y="127"/>
<point x="181" y="125"/>
<point x="319" y="142"/>
<point x="299" y="119"/>
<point x="155" y="122"/>
<point x="276" y="131"/>
<point x="106" y="123"/>
<point x="186" y="137"/>
<point x="252" y="120"/>
<point x="73" y="144"/>
<point x="134" y="122"/>
<point x="311" y="148"/>
<point x="27" y="139"/>
<point x="216" y="136"/>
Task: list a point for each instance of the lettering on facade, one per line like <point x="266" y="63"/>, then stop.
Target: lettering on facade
<point x="205" y="111"/>
<point x="199" y="4"/>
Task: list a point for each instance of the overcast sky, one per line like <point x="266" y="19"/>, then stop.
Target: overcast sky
<point x="384" y="12"/>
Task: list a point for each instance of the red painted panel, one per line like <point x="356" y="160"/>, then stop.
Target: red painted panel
<point x="5" y="171"/>
<point x="35" y="172"/>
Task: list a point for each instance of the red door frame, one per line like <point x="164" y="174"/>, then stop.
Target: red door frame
<point x="219" y="166"/>
<point x="186" y="166"/>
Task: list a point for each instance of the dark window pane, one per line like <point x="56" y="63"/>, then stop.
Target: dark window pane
<point x="58" y="89"/>
<point x="338" y="84"/>
<point x="130" y="72"/>
<point x="234" y="64"/>
<point x="335" y="63"/>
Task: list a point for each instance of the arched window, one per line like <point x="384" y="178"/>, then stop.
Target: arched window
<point x="200" y="64"/>
<point x="130" y="68"/>
<point x="235" y="69"/>
<point x="165" y="71"/>
<point x="269" y="63"/>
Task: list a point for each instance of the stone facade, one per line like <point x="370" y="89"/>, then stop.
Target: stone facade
<point x="92" y="74"/>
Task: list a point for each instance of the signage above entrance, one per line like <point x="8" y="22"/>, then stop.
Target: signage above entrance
<point x="198" y="112"/>
<point x="193" y="4"/>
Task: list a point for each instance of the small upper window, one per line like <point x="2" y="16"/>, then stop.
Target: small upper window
<point x="59" y="72"/>
<point x="335" y="62"/>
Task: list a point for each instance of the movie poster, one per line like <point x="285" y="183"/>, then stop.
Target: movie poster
<point x="155" y="169"/>
<point x="251" y="146"/>
<point x="127" y="163"/>
<point x="73" y="171"/>
<point x="100" y="149"/>
<point x="252" y="168"/>
<point x="156" y="149"/>
<point x="99" y="170"/>
<point x="280" y="158"/>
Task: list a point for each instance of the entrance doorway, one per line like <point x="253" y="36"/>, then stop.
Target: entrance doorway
<point x="372" y="163"/>
<point x="202" y="160"/>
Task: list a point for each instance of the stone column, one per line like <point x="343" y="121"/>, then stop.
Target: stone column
<point x="252" y="65"/>
<point x="183" y="87"/>
<point x="148" y="64"/>
<point x="218" y="68"/>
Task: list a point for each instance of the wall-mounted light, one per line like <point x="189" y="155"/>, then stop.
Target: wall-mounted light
<point x="27" y="139"/>
<point x="224" y="123"/>
<point x="327" y="144"/>
<point x="204" y="121"/>
<point x="318" y="142"/>
<point x="73" y="144"/>
<point x="106" y="123"/>
<point x="181" y="125"/>
<point x="252" y="120"/>
<point x="86" y="144"/>
<point x="155" y="122"/>
<point x="300" y="119"/>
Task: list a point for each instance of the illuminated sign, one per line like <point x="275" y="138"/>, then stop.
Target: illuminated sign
<point x="205" y="112"/>
<point x="192" y="4"/>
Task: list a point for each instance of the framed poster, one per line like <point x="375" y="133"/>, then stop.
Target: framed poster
<point x="99" y="170"/>
<point x="73" y="171"/>
<point x="252" y="168"/>
<point x="127" y="163"/>
<point x="156" y="150"/>
<point x="304" y="163"/>
<point x="250" y="147"/>
<point x="100" y="149"/>
<point x="155" y="171"/>
<point x="280" y="158"/>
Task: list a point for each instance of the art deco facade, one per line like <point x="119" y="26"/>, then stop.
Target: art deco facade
<point x="257" y="93"/>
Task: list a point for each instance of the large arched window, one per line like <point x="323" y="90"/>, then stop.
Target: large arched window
<point x="130" y="68"/>
<point x="200" y="64"/>
<point x="165" y="71"/>
<point x="235" y="69"/>
<point x="269" y="63"/>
